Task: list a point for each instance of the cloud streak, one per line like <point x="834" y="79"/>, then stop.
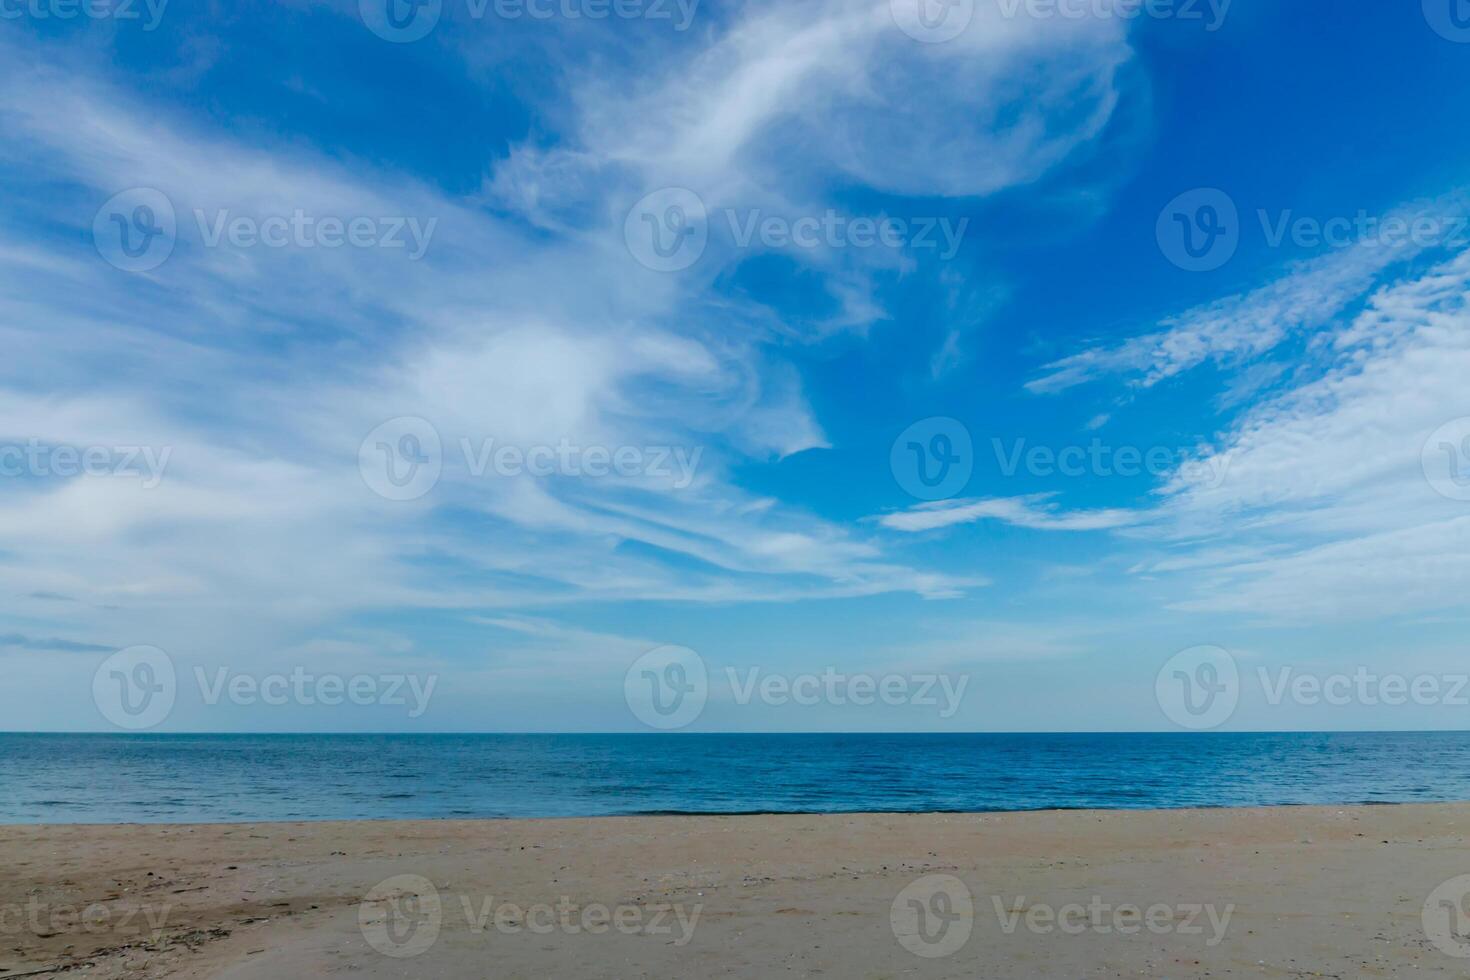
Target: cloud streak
<point x="1035" y="512"/>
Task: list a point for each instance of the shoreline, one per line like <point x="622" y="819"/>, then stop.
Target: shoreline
<point x="1282" y="890"/>
<point x="638" y="814"/>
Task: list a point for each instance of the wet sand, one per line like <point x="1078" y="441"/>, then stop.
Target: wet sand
<point x="1281" y="892"/>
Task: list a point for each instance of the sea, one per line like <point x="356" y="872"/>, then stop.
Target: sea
<point x="147" y="778"/>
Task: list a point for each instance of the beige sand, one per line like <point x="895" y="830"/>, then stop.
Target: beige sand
<point x="1290" y="892"/>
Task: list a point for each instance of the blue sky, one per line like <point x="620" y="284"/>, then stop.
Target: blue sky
<point x="1033" y="176"/>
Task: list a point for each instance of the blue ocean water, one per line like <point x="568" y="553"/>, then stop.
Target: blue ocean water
<point x="200" y="778"/>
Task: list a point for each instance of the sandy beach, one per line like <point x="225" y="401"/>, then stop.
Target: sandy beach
<point x="1283" y="892"/>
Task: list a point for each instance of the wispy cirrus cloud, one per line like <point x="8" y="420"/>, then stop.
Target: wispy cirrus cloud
<point x="1034" y="511"/>
<point x="20" y="641"/>
<point x="1310" y="296"/>
<point x="1340" y="497"/>
<point x="274" y="364"/>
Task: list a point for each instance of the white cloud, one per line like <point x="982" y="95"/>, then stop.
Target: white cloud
<point x="1310" y="296"/>
<point x="1326" y="488"/>
<point x="790" y="104"/>
<point x="803" y="88"/>
<point x="1032" y="511"/>
<point x="493" y="336"/>
<point x="261" y="369"/>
